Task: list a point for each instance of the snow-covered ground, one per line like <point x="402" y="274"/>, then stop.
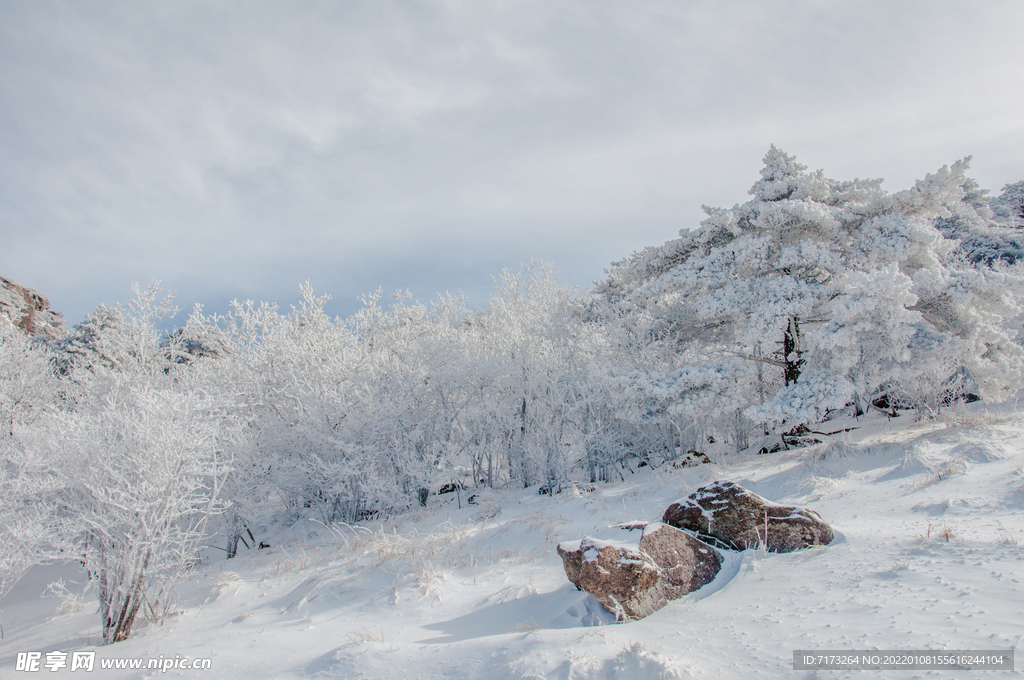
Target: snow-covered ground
<point x="929" y="553"/>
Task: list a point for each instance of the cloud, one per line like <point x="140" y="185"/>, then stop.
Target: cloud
<point x="236" y="150"/>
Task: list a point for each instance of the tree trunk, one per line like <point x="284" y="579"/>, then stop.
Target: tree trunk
<point x="121" y="593"/>
<point x="791" y="351"/>
<point x="522" y="445"/>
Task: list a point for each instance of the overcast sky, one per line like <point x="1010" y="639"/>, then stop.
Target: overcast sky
<point x="236" y="149"/>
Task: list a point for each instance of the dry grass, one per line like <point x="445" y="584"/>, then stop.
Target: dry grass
<point x="944" y="471"/>
<point x="317" y="558"/>
<point x="962" y="419"/>
<point x="424" y="561"/>
<point x="428" y="577"/>
<point x="538" y="520"/>
<point x="69" y="601"/>
<point x="362" y="549"/>
<point x="935" y="532"/>
<point x="511" y="593"/>
<point x="87" y="639"/>
<point x="363" y="636"/>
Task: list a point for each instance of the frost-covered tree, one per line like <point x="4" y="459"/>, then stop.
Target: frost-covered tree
<point x="129" y="338"/>
<point x="834" y="290"/>
<point x="355" y="418"/>
<point x="535" y="351"/>
<point x="986" y="231"/>
<point x="114" y="457"/>
<point x="1008" y="207"/>
<point x="282" y="374"/>
<point x="142" y="470"/>
<point x="30" y="393"/>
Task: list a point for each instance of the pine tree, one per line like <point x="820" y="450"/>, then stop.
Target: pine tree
<point x="839" y="288"/>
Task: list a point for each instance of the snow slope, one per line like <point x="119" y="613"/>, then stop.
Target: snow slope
<point x="929" y="552"/>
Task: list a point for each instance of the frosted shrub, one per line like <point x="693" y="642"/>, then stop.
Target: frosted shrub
<point x="30" y="394"/>
<point x="143" y="471"/>
<point x="125" y="474"/>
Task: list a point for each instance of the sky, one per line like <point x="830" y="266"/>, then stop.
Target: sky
<point x="234" y="150"/>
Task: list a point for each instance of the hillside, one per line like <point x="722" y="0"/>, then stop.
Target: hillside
<point x="929" y="553"/>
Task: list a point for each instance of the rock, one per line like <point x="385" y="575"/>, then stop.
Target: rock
<point x="799" y="436"/>
<point x="574" y="488"/>
<point x="630" y="526"/>
<point x="619" y="576"/>
<point x="623" y="579"/>
<point x="634" y="581"/>
<point x="796" y="438"/>
<point x="451" y="487"/>
<point x="741" y="519"/>
<point x="687" y="563"/>
<point x="27" y="309"/>
<point x="692" y="459"/>
<point x="572" y="561"/>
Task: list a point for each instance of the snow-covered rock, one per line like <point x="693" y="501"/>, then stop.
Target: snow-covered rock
<point x="620" y="576"/>
<point x="686" y="562"/>
<point x="741" y="519"/>
<point x="633" y="581"/>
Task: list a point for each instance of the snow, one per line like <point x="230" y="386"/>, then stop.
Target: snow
<point x="628" y="551"/>
<point x="652" y="528"/>
<point x="929" y="552"/>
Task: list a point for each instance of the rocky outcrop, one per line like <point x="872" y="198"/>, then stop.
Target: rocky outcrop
<point x="633" y="581"/>
<point x="28" y="310"/>
<point x="741" y="519"/>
